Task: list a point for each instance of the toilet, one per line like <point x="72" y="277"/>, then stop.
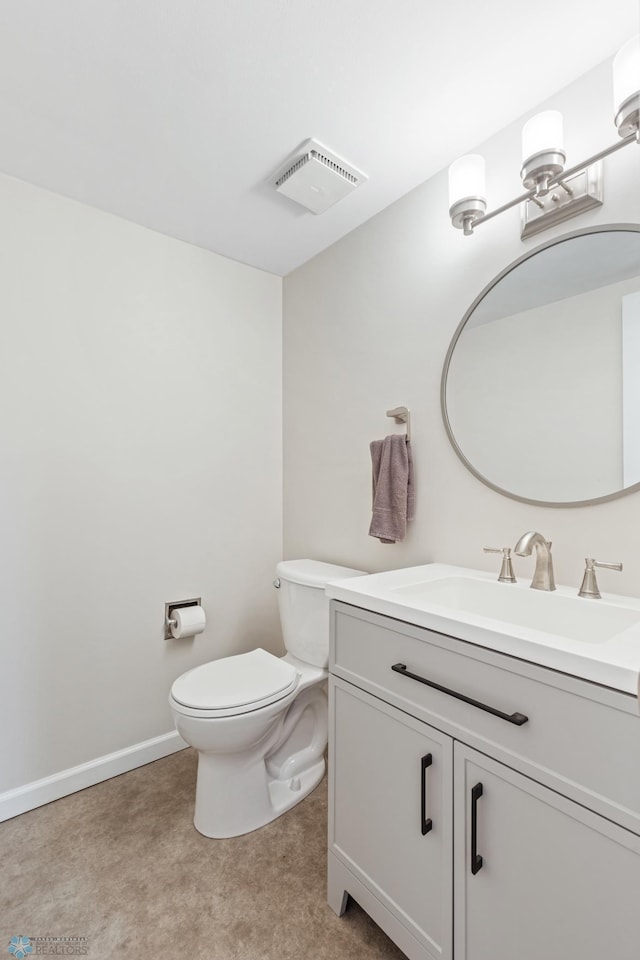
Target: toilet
<point x="259" y="722"/>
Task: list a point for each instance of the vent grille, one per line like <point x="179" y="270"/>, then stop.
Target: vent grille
<point x="300" y="162"/>
<point x="321" y="158"/>
<point x="334" y="166"/>
<point x="316" y="177"/>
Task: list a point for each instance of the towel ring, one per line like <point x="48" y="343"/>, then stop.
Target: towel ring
<point x="402" y="415"/>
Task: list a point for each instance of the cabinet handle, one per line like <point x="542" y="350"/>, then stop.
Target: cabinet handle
<point x="517" y="718"/>
<point x="476" y="859"/>
<point x="426" y="823"/>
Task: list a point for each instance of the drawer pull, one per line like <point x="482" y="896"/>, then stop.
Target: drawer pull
<point x="426" y="823"/>
<point x="517" y="718"/>
<point x="476" y="859"/>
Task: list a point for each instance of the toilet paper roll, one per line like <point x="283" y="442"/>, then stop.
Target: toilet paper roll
<point x="189" y="621"/>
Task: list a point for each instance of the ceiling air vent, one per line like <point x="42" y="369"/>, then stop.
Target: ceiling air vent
<point x="316" y="178"/>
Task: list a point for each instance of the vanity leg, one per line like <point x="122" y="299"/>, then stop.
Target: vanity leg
<point x="337" y="896"/>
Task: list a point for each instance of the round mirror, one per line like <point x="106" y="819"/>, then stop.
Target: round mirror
<point x="541" y="383"/>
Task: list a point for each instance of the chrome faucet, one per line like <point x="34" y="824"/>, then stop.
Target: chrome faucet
<point x="543" y="575"/>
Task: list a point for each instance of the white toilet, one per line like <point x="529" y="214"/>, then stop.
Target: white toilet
<point x="259" y="722"/>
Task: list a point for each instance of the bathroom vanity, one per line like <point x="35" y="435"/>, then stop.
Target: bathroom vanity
<point x="485" y="776"/>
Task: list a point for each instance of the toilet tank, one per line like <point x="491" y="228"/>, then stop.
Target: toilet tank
<point x="304" y="606"/>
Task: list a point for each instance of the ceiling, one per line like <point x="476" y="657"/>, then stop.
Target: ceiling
<point x="175" y="113"/>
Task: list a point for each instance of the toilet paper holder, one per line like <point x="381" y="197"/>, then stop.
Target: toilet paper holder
<point x="176" y="605"/>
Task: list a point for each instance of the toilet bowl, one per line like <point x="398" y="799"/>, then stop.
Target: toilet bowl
<point x="259" y="722"/>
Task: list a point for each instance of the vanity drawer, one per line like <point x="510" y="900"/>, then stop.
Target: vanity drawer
<point x="579" y="738"/>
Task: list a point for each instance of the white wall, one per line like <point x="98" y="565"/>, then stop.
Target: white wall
<point x="141" y="463"/>
<point x="366" y="327"/>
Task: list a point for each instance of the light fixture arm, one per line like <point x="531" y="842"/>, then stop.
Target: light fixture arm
<point x="555" y="181"/>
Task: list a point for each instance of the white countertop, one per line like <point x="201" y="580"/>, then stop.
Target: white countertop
<point x="596" y="640"/>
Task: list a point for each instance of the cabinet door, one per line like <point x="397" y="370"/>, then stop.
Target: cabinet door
<point x="390" y="817"/>
<point x="537" y="875"/>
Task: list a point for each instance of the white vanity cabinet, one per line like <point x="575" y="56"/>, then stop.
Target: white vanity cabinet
<point x="556" y="880"/>
<point x="532" y="846"/>
<point x="394" y="831"/>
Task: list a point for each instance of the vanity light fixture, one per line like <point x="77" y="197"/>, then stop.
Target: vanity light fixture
<point x="626" y="87"/>
<point x="579" y="188"/>
<point x="543" y="156"/>
<point x="467" y="201"/>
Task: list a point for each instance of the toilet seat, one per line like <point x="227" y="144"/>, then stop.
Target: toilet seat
<point x="234" y="685"/>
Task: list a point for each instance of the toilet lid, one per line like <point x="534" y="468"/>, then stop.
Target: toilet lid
<point x="240" y="681"/>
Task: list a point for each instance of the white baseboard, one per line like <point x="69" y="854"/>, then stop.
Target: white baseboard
<point x="39" y="792"/>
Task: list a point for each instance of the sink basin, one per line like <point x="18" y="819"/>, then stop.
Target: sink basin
<point x="597" y="640"/>
<point x="588" y="621"/>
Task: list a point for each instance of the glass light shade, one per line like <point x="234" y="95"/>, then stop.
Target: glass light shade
<point x="542" y="133"/>
<point x="467" y="179"/>
<point x="626" y="72"/>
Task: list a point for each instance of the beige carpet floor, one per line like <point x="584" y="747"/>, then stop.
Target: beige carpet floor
<point x="122" y="865"/>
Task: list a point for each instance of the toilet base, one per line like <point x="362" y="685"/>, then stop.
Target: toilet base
<point x="285" y="794"/>
<point x="260" y="800"/>
<point x="237" y="793"/>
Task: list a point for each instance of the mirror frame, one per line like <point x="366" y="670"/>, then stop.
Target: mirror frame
<point x="603" y="228"/>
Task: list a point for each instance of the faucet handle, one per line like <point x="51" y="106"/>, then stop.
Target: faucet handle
<point x="589" y="586"/>
<point x="506" y="570"/>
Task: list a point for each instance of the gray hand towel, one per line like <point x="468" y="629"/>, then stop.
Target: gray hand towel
<point x="393" y="488"/>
